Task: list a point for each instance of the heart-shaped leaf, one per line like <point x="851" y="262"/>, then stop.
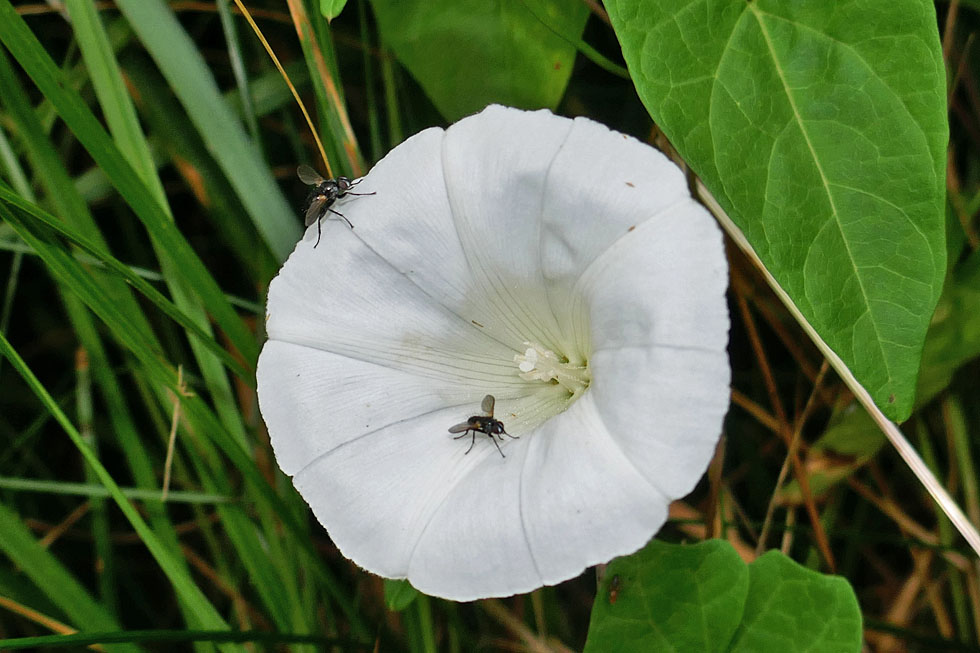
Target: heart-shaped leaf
<point x="670" y="598"/>
<point x="703" y="597"/>
<point x="821" y="129"/>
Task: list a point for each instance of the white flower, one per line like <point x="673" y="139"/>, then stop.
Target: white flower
<point x="552" y="263"/>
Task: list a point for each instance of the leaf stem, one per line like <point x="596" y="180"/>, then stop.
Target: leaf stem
<point x="888" y="427"/>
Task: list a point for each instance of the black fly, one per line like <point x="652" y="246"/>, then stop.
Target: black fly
<point x="483" y="424"/>
<point x="325" y="192"/>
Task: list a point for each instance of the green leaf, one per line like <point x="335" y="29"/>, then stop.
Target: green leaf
<point x="468" y="53"/>
<point x="792" y="608"/>
<point x="331" y="8"/>
<point x="703" y="597"/>
<point x="953" y="340"/>
<point x="821" y="129"/>
<point x="399" y="594"/>
<point x="670" y="598"/>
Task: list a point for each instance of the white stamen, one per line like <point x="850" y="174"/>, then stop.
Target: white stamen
<point x="540" y="364"/>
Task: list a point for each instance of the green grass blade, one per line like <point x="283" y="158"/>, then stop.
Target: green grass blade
<point x="13" y="209"/>
<point x="370" y="92"/>
<point x="50" y="171"/>
<point x="238" y="69"/>
<point x="118" y="109"/>
<point x="177" y="636"/>
<point x="10" y="165"/>
<point x="28" y="51"/>
<point x="94" y="491"/>
<point x="205" y="423"/>
<point x="111" y="90"/>
<point x="85" y="416"/>
<point x="321" y="60"/>
<point x="58" y="186"/>
<point x="20" y="247"/>
<point x="178" y="140"/>
<point x="182" y="65"/>
<point x="50" y="576"/>
<point x="204" y="614"/>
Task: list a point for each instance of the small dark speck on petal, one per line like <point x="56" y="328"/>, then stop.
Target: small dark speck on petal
<point x="631" y="184"/>
<point x="631" y="228"/>
<point x="476" y="323"/>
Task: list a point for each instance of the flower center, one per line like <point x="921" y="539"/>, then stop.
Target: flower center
<point x="540" y="364"/>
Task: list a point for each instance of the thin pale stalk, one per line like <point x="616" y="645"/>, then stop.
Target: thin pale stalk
<point x="889" y="428"/>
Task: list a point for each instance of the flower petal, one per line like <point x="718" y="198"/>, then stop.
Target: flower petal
<point x="474" y="545"/>
<point x="667" y="423"/>
<point x="378" y="493"/>
<point x="496" y="166"/>
<point x="315" y="401"/>
<point x="678" y="260"/>
<point x="605" y="183"/>
<point x="583" y="500"/>
<point x="659" y="363"/>
<point x="349" y="300"/>
<point x="409" y="223"/>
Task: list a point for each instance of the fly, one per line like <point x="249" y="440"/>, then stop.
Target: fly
<point x="483" y="424"/>
<point x="325" y="192"/>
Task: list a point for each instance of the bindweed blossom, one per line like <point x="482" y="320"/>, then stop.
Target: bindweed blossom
<point x="557" y="265"/>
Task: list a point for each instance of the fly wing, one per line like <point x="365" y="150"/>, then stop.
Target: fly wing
<point x="315" y="209"/>
<point x="308" y="175"/>
<point x="487" y="405"/>
<point x="459" y="428"/>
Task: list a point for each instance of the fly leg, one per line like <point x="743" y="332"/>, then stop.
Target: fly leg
<point x="317" y="232"/>
<point x="341" y="215"/>
<point x="472" y="440"/>
<point x="494" y="440"/>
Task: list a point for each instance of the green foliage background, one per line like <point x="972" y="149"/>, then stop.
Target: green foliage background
<point x="148" y="194"/>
